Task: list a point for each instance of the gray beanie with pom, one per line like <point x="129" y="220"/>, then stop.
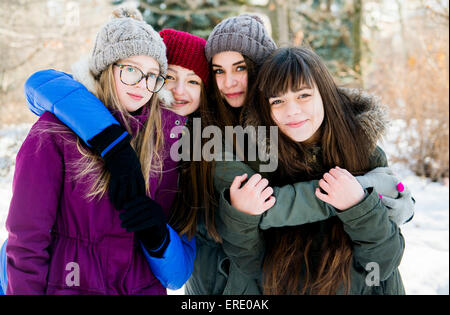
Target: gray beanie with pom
<point x="124" y="36"/>
<point x="245" y="34"/>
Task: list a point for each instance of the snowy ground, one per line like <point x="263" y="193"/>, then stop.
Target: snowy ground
<point x="425" y="264"/>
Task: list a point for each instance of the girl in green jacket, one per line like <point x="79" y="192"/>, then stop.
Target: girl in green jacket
<point x="235" y="49"/>
<point x="322" y="136"/>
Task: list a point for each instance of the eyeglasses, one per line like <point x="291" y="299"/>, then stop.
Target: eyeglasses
<point x="130" y="75"/>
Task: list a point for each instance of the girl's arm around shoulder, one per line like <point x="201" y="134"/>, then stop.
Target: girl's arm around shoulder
<point x="295" y="204"/>
<point x="57" y="92"/>
<point x="241" y="232"/>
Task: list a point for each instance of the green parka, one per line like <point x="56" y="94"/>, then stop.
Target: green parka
<point x="235" y="265"/>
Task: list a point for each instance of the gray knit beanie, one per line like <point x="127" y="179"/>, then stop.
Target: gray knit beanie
<point x="245" y="34"/>
<point x="124" y="36"/>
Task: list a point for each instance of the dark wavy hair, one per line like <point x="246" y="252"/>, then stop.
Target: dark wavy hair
<point x="294" y="262"/>
<point x="196" y="182"/>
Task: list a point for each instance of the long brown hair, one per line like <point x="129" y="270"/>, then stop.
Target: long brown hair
<point x="196" y="195"/>
<point x="195" y="186"/>
<point x="312" y="258"/>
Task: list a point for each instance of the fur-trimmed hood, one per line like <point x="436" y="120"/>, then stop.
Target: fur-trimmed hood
<point x="372" y="114"/>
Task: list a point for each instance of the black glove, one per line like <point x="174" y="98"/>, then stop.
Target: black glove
<point x="146" y="217"/>
<point x="121" y="161"/>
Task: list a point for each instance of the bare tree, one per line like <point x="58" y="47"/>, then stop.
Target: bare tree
<point x="411" y="74"/>
<point x="40" y="34"/>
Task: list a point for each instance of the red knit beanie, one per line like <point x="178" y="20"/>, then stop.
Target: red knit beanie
<point x="186" y="50"/>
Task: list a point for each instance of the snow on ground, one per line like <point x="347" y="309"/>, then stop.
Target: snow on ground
<point x="11" y="137"/>
<point x="425" y="264"/>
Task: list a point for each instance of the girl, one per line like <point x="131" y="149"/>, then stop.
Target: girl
<point x="322" y="136"/>
<point x="196" y="203"/>
<point x="128" y="64"/>
<point x="228" y="263"/>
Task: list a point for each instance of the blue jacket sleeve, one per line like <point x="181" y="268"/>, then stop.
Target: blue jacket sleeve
<point x="3" y="277"/>
<point x="69" y="100"/>
<point x="175" y="267"/>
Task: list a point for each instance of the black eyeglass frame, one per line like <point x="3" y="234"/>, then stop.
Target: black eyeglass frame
<point x="146" y="76"/>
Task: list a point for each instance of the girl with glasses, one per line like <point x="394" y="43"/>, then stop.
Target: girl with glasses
<point x="66" y="234"/>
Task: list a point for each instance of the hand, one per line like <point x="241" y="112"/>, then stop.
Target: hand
<point x="401" y="209"/>
<point x="126" y="181"/>
<point x="254" y="198"/>
<point x="382" y="179"/>
<point x="342" y="190"/>
<point x="146" y="217"/>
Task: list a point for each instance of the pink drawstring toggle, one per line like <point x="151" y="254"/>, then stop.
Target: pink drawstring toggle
<point x="400" y="187"/>
<point x="381" y="197"/>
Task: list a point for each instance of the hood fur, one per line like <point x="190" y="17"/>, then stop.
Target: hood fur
<point x="82" y="74"/>
<point x="371" y="113"/>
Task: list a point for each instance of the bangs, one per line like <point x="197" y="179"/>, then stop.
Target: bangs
<point x="283" y="72"/>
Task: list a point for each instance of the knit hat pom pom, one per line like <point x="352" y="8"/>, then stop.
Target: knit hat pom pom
<point x="127" y="12"/>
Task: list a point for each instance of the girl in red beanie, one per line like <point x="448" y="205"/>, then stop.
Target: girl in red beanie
<point x="187" y="79"/>
<point x="187" y="73"/>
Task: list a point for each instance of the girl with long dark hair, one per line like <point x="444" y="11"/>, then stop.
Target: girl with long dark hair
<point x="324" y="135"/>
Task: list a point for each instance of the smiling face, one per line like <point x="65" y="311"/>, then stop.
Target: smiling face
<point x="230" y="72"/>
<point x="133" y="97"/>
<point x="299" y="114"/>
<point x="186" y="87"/>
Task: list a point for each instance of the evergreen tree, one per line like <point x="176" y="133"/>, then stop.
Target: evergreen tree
<point x="333" y="30"/>
<point x="331" y="27"/>
<point x="197" y="17"/>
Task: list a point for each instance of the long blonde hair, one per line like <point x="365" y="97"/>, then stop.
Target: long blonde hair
<point x="147" y="143"/>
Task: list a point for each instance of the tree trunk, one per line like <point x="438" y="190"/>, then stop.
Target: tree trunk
<point x="279" y="19"/>
<point x="283" y="21"/>
<point x="357" y="20"/>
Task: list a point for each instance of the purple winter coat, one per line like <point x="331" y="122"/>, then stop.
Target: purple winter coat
<point x="51" y="225"/>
